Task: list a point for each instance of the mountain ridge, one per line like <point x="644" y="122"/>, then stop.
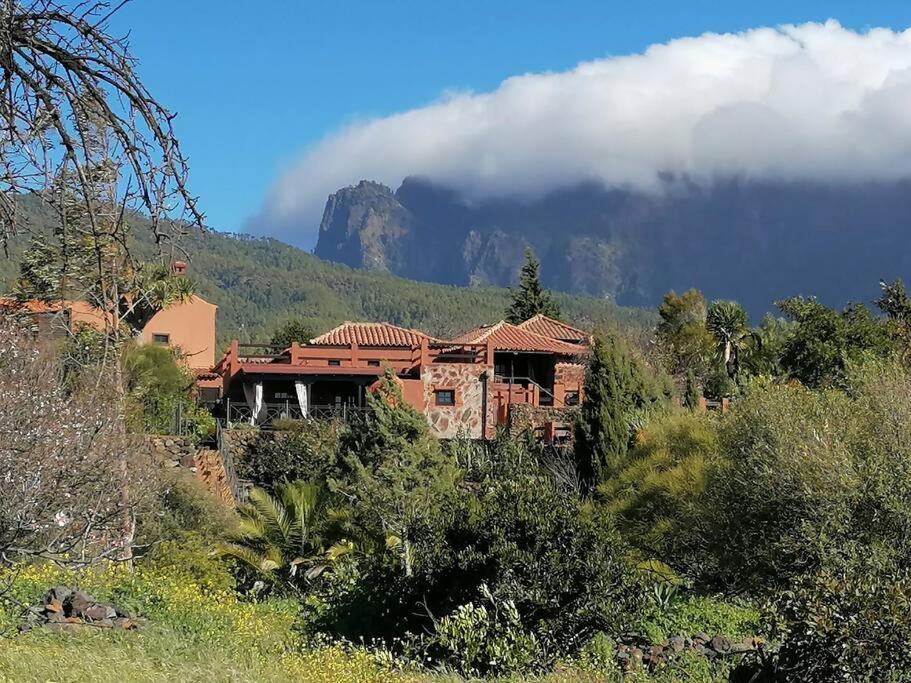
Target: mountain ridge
<point x="750" y="240"/>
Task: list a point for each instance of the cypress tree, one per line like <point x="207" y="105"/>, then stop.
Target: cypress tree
<point x="691" y="392"/>
<point x="618" y="391"/>
<point x="530" y="298"/>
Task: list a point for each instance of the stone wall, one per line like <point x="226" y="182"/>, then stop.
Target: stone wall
<point x="205" y="463"/>
<point x="568" y="377"/>
<point x="173" y="451"/>
<point x="465" y="418"/>
<point x="548" y="423"/>
<point x="211" y="470"/>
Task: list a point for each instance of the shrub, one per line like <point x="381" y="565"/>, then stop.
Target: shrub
<point x="185" y="510"/>
<point x="847" y="621"/>
<point x="306" y="450"/>
<point x="158" y="385"/>
<point x="481" y="640"/>
<point x="688" y="616"/>
<point x="788" y="475"/>
<point x="657" y="493"/>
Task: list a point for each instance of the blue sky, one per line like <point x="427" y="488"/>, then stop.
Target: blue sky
<point x="256" y="86"/>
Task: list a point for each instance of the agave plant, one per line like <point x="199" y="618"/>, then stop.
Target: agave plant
<point x="728" y="323"/>
<point x="293" y="533"/>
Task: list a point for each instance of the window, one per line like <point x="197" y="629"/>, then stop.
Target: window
<point x="373" y="363"/>
<point x="335" y="363"/>
<point x="571" y="398"/>
<point x="444" y="397"/>
<point x="161" y="338"/>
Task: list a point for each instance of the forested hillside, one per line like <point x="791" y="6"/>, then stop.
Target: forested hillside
<point x="259" y="283"/>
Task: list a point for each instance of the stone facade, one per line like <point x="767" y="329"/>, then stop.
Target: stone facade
<point x="550" y="424"/>
<point x="568" y="379"/>
<point x="465" y="416"/>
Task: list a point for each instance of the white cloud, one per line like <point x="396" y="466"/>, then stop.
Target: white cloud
<point x="815" y="101"/>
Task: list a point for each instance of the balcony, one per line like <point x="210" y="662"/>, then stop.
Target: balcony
<point x="241" y="413"/>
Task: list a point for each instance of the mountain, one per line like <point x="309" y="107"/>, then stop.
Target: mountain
<point x="749" y="240"/>
<point x="259" y="283"/>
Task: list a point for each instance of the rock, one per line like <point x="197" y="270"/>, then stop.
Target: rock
<point x="656" y="656"/>
<point x="77" y="603"/>
<point x="742" y="646"/>
<point x="99" y="613"/>
<point x="57" y="594"/>
<point x="55" y="617"/>
<point x="677" y="644"/>
<point x="720" y="644"/>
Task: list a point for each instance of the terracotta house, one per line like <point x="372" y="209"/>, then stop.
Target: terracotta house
<point x="465" y="386"/>
<point x="189" y="326"/>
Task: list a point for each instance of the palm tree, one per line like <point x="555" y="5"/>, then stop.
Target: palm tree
<point x="728" y="323"/>
<point x="292" y="534"/>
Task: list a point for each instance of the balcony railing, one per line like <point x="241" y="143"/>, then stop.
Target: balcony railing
<point x="290" y="410"/>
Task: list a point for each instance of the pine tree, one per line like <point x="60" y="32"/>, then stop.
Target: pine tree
<point x="618" y="393"/>
<point x="691" y="392"/>
<point x="530" y="298"/>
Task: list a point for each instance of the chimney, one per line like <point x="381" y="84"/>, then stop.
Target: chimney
<point x="179" y="267"/>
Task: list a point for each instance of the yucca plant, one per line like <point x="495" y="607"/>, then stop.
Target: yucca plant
<point x="728" y="323"/>
<point x="292" y="534"/>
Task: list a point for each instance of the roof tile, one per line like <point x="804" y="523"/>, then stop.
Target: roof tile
<point x="371" y="334"/>
<point x="508" y="337"/>
<point x="554" y="329"/>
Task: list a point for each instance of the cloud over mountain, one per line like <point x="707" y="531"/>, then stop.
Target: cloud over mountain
<point x="807" y="102"/>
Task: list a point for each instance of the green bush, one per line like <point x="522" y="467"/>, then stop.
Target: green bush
<point x="484" y="639"/>
<point x="305" y="450"/>
<point x="788" y="474"/>
<point x="185" y="510"/>
<point x="158" y="385"/>
<point x="688" y="616"/>
<point x="847" y="621"/>
<point x="657" y="494"/>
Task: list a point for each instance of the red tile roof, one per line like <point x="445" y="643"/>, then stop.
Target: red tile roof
<point x="11" y="304"/>
<point x="548" y="327"/>
<point x="371" y="334"/>
<point x="508" y="337"/>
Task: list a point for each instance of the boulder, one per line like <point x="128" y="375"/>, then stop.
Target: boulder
<point x="99" y="613"/>
<point x="77" y="603"/>
<point x="720" y="644"/>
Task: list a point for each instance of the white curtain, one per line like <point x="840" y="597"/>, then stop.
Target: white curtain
<point x="254" y="395"/>
<point x="303" y="391"/>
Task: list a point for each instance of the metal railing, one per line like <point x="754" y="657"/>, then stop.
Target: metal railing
<point x="290" y="410"/>
<point x="238" y="489"/>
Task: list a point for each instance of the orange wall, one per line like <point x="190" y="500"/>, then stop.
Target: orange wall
<point x="191" y="328"/>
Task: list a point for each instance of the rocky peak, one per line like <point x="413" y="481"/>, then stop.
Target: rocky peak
<point x="365" y="226"/>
